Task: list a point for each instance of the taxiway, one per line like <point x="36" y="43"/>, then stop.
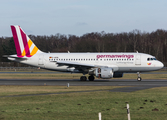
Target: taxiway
<point x="131" y="85"/>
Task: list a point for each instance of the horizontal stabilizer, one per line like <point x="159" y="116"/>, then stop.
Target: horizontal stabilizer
<point x="15" y="56"/>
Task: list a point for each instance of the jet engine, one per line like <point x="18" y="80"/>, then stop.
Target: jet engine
<point x="104" y="73"/>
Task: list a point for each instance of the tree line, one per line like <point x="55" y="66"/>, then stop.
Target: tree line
<point x="154" y="43"/>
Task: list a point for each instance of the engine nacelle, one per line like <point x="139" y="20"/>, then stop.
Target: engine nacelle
<point x="104" y="73"/>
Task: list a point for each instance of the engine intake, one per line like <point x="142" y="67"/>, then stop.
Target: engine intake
<point x="104" y="73"/>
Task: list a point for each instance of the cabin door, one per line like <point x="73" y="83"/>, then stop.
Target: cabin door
<point x="138" y="60"/>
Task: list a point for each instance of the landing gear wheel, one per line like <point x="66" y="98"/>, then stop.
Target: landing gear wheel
<point x="91" y="78"/>
<point x="83" y="78"/>
<point x="139" y="79"/>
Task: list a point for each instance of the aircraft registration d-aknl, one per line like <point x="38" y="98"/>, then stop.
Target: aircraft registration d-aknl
<point x="102" y="65"/>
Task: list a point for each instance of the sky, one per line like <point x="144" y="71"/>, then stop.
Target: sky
<point x="78" y="17"/>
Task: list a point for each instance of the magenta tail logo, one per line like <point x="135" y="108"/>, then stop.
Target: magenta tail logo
<point x="24" y="46"/>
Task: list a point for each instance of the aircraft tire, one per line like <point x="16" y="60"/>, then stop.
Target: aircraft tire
<point x="91" y="78"/>
<point x="83" y="78"/>
<point x="139" y="79"/>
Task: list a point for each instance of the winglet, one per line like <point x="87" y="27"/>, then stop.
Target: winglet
<point x="24" y="46"/>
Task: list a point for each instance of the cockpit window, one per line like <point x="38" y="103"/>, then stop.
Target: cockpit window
<point x="151" y="59"/>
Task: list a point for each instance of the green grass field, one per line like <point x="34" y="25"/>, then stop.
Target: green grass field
<point x="53" y="75"/>
<point x="83" y="105"/>
<point x="79" y="105"/>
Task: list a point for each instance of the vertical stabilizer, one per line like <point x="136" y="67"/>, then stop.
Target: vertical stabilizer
<point x="24" y="46"/>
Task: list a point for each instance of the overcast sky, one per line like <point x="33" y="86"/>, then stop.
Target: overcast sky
<point x="78" y="17"/>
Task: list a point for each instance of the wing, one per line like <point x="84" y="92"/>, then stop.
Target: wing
<point x="80" y="66"/>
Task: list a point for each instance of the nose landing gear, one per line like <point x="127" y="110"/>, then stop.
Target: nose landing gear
<point x="139" y="78"/>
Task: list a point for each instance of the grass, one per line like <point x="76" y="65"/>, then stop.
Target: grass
<point x="22" y="90"/>
<point x="30" y="75"/>
<point x="39" y="76"/>
<point x="83" y="106"/>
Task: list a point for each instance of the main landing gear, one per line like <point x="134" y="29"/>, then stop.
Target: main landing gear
<point x="84" y="78"/>
<point x="91" y="78"/>
<point x="139" y="78"/>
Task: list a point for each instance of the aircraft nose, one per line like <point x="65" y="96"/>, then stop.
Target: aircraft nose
<point x="161" y="65"/>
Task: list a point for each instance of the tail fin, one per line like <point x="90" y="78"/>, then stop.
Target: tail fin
<point x="24" y="46"/>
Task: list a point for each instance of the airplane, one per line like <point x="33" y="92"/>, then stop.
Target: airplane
<point x="101" y="65"/>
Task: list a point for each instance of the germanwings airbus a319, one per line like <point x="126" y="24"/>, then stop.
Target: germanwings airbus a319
<point x="101" y="65"/>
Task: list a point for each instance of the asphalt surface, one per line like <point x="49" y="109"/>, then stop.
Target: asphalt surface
<point x="131" y="85"/>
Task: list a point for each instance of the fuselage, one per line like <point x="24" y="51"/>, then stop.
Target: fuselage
<point x="120" y="62"/>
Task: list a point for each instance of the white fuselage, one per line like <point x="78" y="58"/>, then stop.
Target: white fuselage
<point x="120" y="62"/>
